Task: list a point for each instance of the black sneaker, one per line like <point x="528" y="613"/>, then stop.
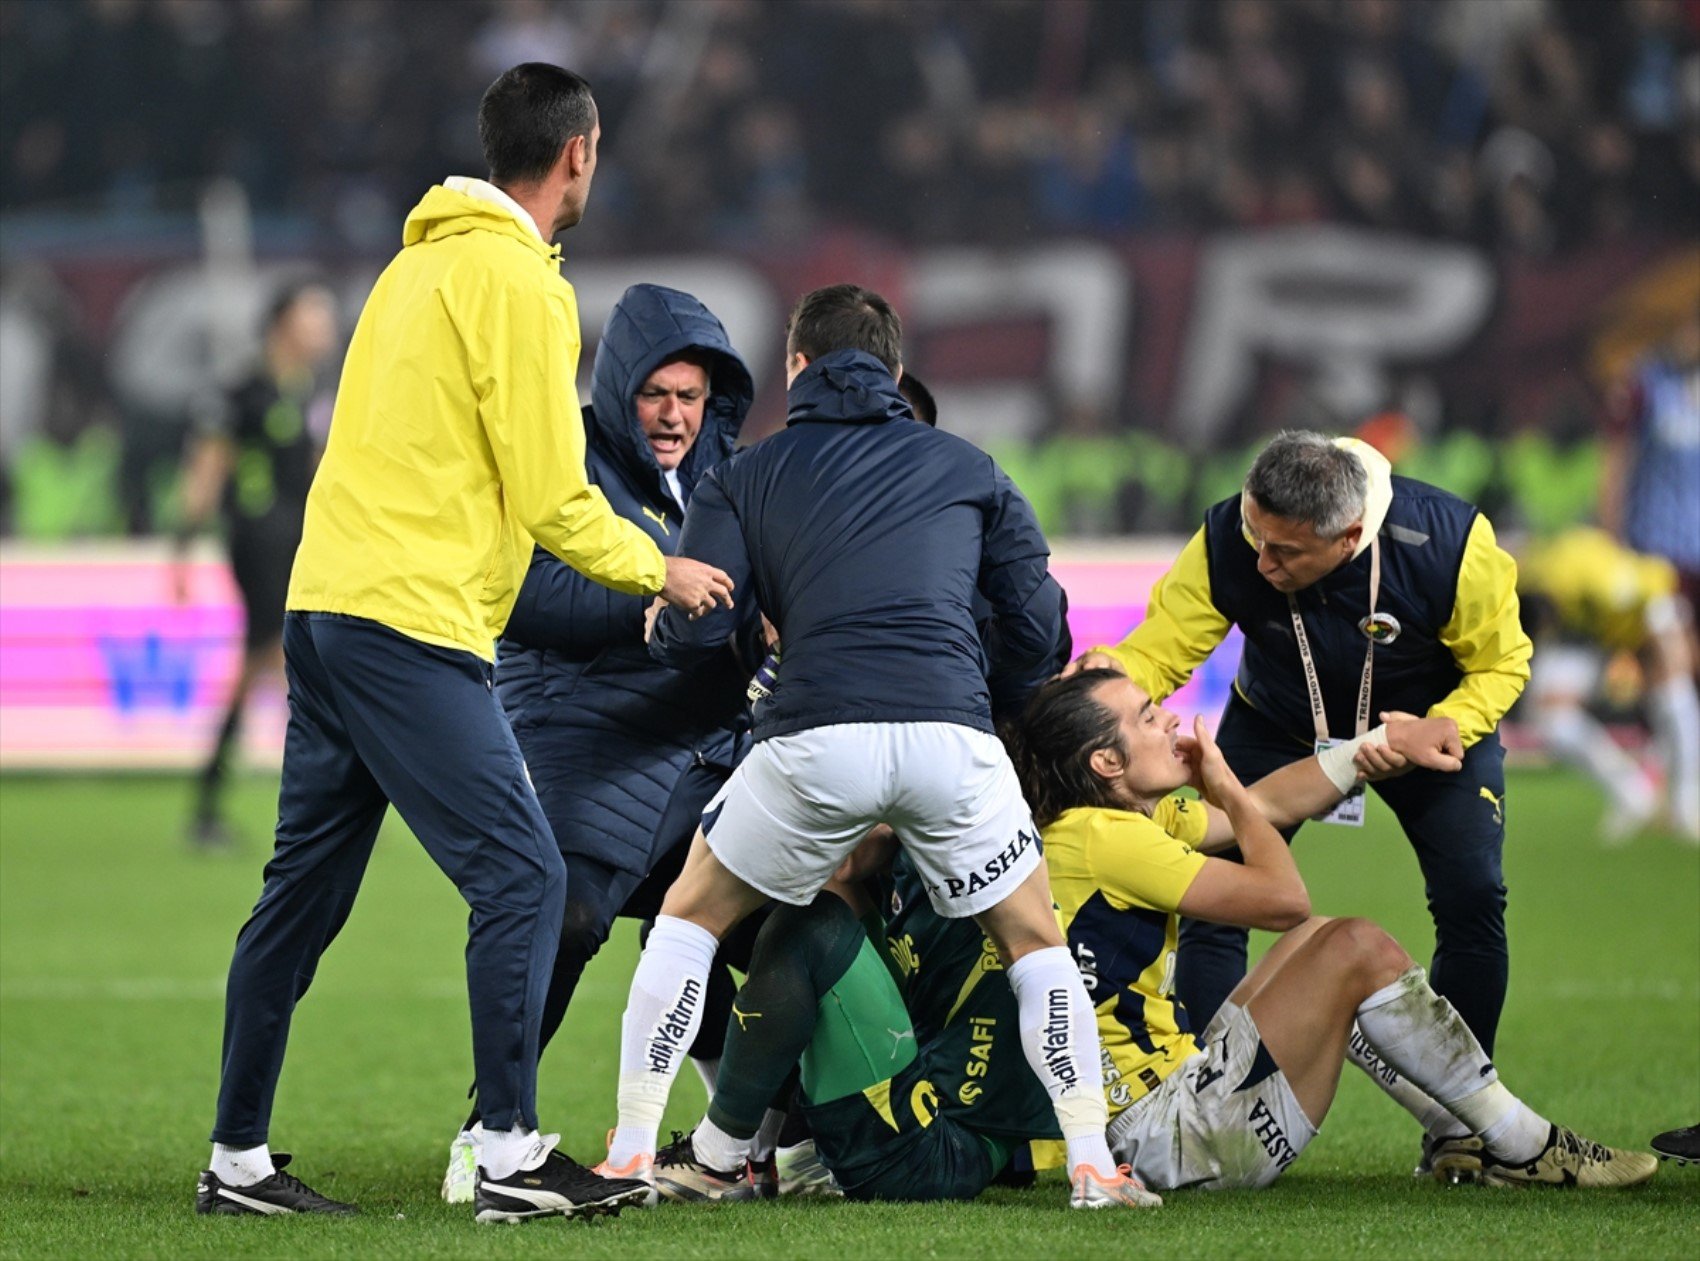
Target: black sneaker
<point x="1681" y="1145"/>
<point x="764" y="1177"/>
<point x="280" y="1193"/>
<point x="559" y="1187"/>
<point x="681" y="1176"/>
<point x="1454" y="1160"/>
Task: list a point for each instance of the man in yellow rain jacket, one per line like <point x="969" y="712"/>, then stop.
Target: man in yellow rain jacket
<point x="1358" y="592"/>
<point x="455" y="443"/>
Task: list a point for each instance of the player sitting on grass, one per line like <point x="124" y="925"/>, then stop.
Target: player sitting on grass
<point x="915" y="1080"/>
<point x="1098" y="762"/>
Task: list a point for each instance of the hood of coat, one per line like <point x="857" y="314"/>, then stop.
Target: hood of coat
<point x="649" y="325"/>
<point x="1379" y="497"/>
<point x="846" y="387"/>
<point x="450" y="211"/>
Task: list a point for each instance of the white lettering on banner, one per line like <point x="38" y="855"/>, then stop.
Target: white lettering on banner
<point x="1084" y="293"/>
<point x="1345" y="302"/>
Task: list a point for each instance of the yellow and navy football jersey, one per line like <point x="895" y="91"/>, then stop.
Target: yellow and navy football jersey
<point x="1598" y="588"/>
<point x="1117" y="878"/>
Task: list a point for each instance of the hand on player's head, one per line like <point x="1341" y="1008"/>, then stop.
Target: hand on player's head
<point x="1092" y="660"/>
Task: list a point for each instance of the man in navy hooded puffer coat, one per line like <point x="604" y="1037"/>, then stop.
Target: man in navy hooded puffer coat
<point x="613" y="740"/>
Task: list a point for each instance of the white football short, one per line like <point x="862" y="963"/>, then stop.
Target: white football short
<point x="1226" y="1118"/>
<point x="1565" y="672"/>
<point x="799" y="803"/>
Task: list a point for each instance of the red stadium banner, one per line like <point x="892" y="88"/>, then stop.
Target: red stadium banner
<point x="1159" y="356"/>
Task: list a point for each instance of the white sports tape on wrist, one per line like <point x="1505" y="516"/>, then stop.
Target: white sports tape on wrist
<point x="1336" y="760"/>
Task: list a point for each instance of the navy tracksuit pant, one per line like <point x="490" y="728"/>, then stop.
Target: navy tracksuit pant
<point x="377" y="718"/>
<point x="597" y="893"/>
<point x="1456" y="825"/>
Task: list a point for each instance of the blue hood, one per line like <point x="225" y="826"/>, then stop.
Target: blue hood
<point x="649" y="325"/>
<point x="847" y="387"/>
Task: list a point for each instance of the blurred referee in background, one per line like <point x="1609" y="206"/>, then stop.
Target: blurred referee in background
<point x="254" y="461"/>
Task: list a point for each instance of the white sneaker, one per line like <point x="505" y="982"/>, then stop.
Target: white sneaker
<point x="802" y="1172"/>
<point x="462" y="1177"/>
<point x="1089" y="1189"/>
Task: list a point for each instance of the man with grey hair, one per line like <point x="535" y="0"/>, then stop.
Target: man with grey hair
<point x="1359" y="593"/>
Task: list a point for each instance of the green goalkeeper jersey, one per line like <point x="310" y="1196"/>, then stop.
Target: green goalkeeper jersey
<point x="917" y="1085"/>
<point x="966" y="1020"/>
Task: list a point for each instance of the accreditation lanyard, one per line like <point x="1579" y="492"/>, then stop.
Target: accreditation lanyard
<point x="1351" y="810"/>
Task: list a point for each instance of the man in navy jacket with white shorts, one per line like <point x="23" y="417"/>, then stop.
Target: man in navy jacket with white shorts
<point x="864" y="536"/>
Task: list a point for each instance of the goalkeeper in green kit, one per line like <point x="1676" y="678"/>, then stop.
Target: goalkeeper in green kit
<point x="909" y="1052"/>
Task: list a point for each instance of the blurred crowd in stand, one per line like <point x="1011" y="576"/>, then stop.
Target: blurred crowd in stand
<point x="1527" y="126"/>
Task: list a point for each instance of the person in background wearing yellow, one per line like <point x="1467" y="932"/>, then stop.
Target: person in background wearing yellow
<point x="1585" y="595"/>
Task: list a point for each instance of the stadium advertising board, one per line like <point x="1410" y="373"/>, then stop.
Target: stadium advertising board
<point x="102" y="668"/>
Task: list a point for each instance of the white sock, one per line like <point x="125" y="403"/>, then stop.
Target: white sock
<point x="1572" y="734"/>
<point x="503" y="1153"/>
<point x="1520" y="1134"/>
<point x="708" y="1071"/>
<point x="1423" y="1037"/>
<point x="663" y="1013"/>
<point x="1436" y="1121"/>
<point x="719" y="1150"/>
<point x="1059" y="1032"/>
<point x="241" y="1166"/>
<point x="767" y="1137"/>
<point x="1674" y="710"/>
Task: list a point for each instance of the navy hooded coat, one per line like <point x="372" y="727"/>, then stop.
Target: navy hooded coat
<point x="879" y="547"/>
<point x="605" y="729"/>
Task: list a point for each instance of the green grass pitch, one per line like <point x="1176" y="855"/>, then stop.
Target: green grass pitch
<point x="114" y="940"/>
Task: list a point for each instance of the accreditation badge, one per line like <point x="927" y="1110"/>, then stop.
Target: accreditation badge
<point x="1350" y="811"/>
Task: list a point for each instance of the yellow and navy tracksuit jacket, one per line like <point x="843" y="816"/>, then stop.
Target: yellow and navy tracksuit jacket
<point x="1461" y="652"/>
<point x="457" y="438"/>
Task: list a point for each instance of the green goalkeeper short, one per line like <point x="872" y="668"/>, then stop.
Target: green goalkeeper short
<point x="873" y="1106"/>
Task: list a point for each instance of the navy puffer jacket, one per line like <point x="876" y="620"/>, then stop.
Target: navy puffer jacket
<point x="605" y="729"/>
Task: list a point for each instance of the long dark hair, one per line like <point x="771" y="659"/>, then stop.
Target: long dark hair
<point x="1053" y="741"/>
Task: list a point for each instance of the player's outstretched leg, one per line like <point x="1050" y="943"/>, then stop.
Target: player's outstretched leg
<point x="1423" y="1038"/>
<point x="1060" y="1036"/>
<point x="665" y="1003"/>
<point x="801" y="954"/>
